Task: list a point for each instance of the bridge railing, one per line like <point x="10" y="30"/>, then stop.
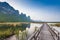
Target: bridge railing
<point x="58" y="33"/>
<point x="34" y="36"/>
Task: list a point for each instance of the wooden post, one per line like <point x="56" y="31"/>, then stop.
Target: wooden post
<point x="58" y="35"/>
<point x="35" y="38"/>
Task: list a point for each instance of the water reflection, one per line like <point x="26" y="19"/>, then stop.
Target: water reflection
<point x="9" y="30"/>
<point x="32" y="28"/>
<point x="24" y="35"/>
<point x="23" y="32"/>
<point x="26" y="30"/>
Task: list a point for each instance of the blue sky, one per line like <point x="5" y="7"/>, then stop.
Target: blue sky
<point x="46" y="10"/>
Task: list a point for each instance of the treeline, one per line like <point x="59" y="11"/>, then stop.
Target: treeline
<point x="14" y="18"/>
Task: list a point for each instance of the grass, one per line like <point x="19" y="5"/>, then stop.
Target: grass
<point x="56" y="24"/>
<point x="7" y="30"/>
<point x="23" y="35"/>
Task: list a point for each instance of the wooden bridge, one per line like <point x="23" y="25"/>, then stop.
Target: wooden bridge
<point x="45" y="32"/>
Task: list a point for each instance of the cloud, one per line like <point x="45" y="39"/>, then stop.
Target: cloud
<point x="46" y="11"/>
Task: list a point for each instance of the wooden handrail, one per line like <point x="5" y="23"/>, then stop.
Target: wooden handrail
<point x="57" y="34"/>
<point x="35" y="35"/>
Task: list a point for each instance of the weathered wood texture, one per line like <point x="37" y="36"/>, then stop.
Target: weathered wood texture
<point x="45" y="33"/>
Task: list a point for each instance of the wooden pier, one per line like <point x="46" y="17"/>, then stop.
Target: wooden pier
<point x="45" y="32"/>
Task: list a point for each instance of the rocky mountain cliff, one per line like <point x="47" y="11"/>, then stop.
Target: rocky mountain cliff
<point x="9" y="14"/>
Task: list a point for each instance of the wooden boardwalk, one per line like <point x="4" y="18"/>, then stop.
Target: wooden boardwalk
<point x="44" y="33"/>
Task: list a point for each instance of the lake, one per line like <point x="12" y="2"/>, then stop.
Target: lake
<point x="29" y="32"/>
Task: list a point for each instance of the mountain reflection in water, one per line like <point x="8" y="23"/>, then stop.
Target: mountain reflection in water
<point x="24" y="35"/>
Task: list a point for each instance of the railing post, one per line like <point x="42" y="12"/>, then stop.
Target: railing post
<point x="35" y="38"/>
<point x="58" y="36"/>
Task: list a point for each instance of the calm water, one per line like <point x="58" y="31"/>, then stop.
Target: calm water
<point x="32" y="28"/>
<point x="29" y="31"/>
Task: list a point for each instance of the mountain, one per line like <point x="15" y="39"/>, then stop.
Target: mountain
<point x="9" y="14"/>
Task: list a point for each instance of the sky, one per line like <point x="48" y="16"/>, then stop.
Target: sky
<point x="45" y="10"/>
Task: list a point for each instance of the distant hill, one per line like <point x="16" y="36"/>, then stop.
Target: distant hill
<point x="9" y="14"/>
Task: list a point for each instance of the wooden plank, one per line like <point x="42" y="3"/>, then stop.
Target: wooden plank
<point x="46" y="33"/>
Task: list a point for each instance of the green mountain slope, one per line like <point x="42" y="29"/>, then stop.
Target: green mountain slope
<point x="9" y="14"/>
